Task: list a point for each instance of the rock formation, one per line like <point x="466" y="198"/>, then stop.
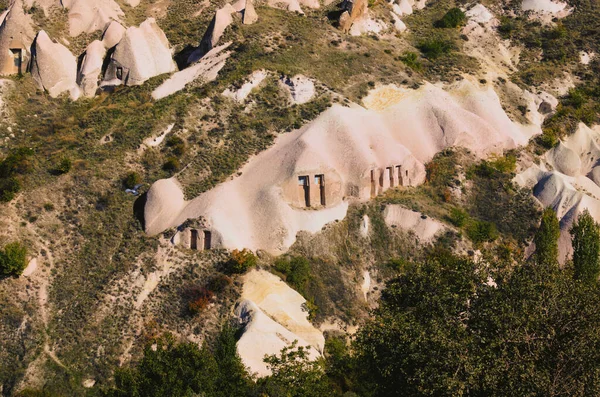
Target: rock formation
<point x="88" y="16"/>
<point x="112" y="34"/>
<point x="247" y="11"/>
<point x="347" y="153"/>
<point x="206" y="70"/>
<point x="16" y="36"/>
<point x="141" y="54"/>
<point x="222" y="19"/>
<point x="273" y="318"/>
<point x="353" y="10"/>
<point x="568" y="180"/>
<point x="53" y="67"/>
<point x="300" y="88"/>
<point x="91" y="66"/>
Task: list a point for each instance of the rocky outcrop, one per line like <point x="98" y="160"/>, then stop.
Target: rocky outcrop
<point x="273" y="318"/>
<point x="247" y="11"/>
<point x="142" y="53"/>
<point x="222" y="19"/>
<point x="347" y="154"/>
<point x="88" y="16"/>
<point x="53" y="67"/>
<point x="300" y="88"/>
<point x="91" y="67"/>
<point x="16" y="36"/>
<point x="353" y="10"/>
<point x="205" y="70"/>
<point x="220" y="22"/>
<point x="112" y="34"/>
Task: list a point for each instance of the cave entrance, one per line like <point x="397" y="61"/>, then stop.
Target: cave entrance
<point x="320" y="181"/>
<point x="207" y="239"/>
<point x="17" y="54"/>
<point x="304" y="183"/>
<point x="194" y="240"/>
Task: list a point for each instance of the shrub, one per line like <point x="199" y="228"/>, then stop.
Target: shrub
<point x="131" y="180"/>
<point x="295" y="269"/>
<point x="435" y="48"/>
<point x="219" y="282"/>
<point x="13" y="260"/>
<point x="8" y="188"/>
<point x="199" y="299"/>
<point x="171" y="165"/>
<point x="458" y="217"/>
<point x="452" y="19"/>
<point x="411" y="59"/>
<point x="63" y="166"/>
<point x="240" y="261"/>
<point x="177" y="145"/>
<point x="482" y="231"/>
<point x="17" y="162"/>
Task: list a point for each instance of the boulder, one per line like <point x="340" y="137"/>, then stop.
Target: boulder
<point x="300" y="88"/>
<point x="88" y="16"/>
<point x="143" y="52"/>
<point x="53" y="67"/>
<point x="353" y="10"/>
<point x="247" y="11"/>
<point x="16" y="36"/>
<point x="222" y="19"/>
<point x="91" y="67"/>
<point x="112" y="34"/>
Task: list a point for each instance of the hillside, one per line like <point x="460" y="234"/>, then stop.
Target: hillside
<point x="401" y="195"/>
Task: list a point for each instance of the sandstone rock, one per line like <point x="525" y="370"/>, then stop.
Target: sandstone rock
<point x="300" y="88"/>
<point x="205" y="70"/>
<point x="222" y="19"/>
<point x="91" y="67"/>
<point x="88" y="16"/>
<point x="16" y="36"/>
<point x="141" y="54"/>
<point x="53" y="67"/>
<point x="353" y="10"/>
<point x="113" y="34"/>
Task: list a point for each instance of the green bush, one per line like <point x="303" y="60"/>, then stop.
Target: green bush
<point x="482" y="231"/>
<point x="411" y="59"/>
<point x="435" y="48"/>
<point x="131" y="180"/>
<point x="8" y="188"/>
<point x="177" y="145"/>
<point x="240" y="261"/>
<point x="63" y="166"/>
<point x="13" y="260"/>
<point x="172" y="164"/>
<point x="296" y="270"/>
<point x="452" y="19"/>
<point x="458" y="217"/>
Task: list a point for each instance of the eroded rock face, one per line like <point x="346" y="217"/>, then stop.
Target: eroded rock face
<point x="143" y="52"/>
<point x="53" y="67"/>
<point x="88" y="16"/>
<point x="113" y="34"/>
<point x="568" y="180"/>
<point x="16" y="36"/>
<point x="346" y="154"/>
<point x="91" y="67"/>
<point x="274" y="317"/>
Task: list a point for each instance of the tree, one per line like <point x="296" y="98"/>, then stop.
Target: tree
<point x="169" y="368"/>
<point x="418" y="341"/>
<point x="295" y="374"/>
<point x="546" y="239"/>
<point x="13" y="260"/>
<point x="586" y="248"/>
